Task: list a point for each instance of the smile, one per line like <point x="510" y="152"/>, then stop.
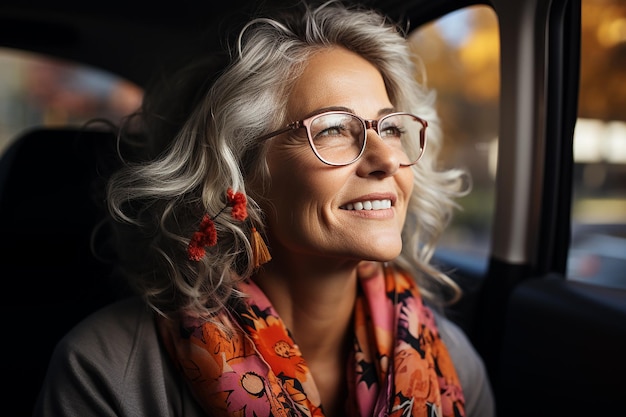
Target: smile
<point x="368" y="205"/>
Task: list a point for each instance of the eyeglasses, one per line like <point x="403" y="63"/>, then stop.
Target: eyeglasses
<point x="338" y="138"/>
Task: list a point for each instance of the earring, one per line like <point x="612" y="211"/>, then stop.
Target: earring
<point x="260" y="252"/>
<point x="206" y="235"/>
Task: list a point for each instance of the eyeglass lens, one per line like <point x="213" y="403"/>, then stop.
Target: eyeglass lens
<point x="338" y="138"/>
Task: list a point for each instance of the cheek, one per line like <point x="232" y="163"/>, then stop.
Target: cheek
<point x="408" y="181"/>
<point x="302" y="192"/>
<point x="405" y="180"/>
<point x="291" y="178"/>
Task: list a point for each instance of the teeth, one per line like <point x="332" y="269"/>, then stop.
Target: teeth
<point x="369" y="205"/>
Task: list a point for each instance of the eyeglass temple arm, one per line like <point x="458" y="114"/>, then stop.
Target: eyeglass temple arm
<point x="290" y="126"/>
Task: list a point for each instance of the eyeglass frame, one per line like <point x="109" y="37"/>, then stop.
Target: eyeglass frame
<point x="367" y="124"/>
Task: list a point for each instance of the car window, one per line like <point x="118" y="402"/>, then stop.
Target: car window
<point x="598" y="246"/>
<point x="39" y="91"/>
<point x="460" y="52"/>
<point x="461" y="55"/>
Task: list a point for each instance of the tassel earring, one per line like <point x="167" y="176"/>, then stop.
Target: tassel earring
<point x="260" y="252"/>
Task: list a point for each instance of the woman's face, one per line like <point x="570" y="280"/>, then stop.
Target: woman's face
<point x="310" y="203"/>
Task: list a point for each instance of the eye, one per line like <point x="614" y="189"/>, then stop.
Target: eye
<point x="331" y="131"/>
<point x="396" y="126"/>
<point x="332" y="126"/>
<point x="391" y="131"/>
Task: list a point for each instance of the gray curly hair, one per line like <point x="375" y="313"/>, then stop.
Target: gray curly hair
<point x="160" y="202"/>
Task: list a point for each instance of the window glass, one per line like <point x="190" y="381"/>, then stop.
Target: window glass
<point x="461" y="55"/>
<point x="598" y="246"/>
<point x="39" y="91"/>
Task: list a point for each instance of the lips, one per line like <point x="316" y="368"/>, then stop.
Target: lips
<point x="368" y="205"/>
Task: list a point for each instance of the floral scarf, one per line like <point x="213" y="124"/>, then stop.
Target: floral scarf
<point x="399" y="365"/>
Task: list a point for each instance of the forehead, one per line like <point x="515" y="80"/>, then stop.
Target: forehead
<point x="337" y="77"/>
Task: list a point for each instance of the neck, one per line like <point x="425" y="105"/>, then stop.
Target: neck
<point x="315" y="299"/>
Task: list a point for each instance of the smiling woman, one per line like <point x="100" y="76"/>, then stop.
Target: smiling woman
<point x="340" y="312"/>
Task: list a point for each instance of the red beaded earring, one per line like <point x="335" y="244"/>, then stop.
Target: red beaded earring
<point x="206" y="235"/>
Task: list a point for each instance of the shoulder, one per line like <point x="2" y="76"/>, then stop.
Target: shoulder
<point x="112" y="363"/>
<point x="469" y="366"/>
<point x="110" y="335"/>
<point x="119" y="321"/>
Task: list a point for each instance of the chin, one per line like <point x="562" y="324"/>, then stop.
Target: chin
<point x="383" y="256"/>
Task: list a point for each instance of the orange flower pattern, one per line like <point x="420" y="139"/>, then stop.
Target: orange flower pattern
<point x="399" y="365"/>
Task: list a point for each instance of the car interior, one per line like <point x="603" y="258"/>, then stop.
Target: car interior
<point x="553" y="346"/>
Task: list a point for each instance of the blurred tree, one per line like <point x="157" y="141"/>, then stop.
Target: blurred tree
<point x="603" y="63"/>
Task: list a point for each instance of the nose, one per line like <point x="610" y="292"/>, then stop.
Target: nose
<point x="378" y="158"/>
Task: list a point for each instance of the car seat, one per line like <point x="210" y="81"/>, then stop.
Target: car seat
<point x="56" y="266"/>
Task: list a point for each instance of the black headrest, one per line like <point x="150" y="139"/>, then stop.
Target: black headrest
<point x="55" y="265"/>
<point x="51" y="205"/>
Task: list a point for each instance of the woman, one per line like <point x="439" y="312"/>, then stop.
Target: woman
<point x="282" y="242"/>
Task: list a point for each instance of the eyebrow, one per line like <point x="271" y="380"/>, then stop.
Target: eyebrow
<point x="381" y="112"/>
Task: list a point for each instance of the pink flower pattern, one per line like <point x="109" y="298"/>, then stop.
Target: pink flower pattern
<point x="260" y="370"/>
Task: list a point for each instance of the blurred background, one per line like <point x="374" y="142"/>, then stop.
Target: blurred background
<point x="460" y="53"/>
